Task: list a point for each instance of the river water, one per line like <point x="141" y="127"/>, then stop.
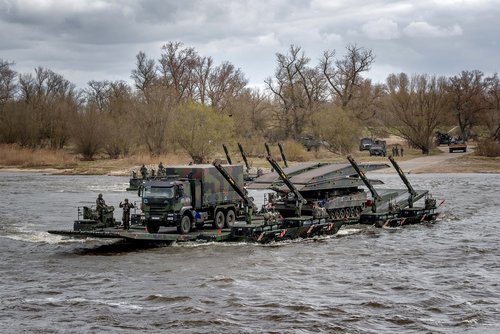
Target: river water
<point x="440" y="278"/>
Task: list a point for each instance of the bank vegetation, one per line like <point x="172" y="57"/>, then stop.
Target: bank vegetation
<point x="183" y="103"/>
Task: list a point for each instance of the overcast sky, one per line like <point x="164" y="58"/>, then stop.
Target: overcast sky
<point x="98" y="39"/>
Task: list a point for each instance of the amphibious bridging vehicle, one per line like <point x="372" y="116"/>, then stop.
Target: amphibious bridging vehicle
<point x="323" y="198"/>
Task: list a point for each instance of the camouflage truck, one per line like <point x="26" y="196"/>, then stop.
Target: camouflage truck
<point x="190" y="196"/>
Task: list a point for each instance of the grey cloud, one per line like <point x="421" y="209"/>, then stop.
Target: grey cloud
<point x="381" y="29"/>
<point x="89" y="39"/>
<point x="424" y="29"/>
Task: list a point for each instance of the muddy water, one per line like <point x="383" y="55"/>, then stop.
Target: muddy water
<point x="440" y="278"/>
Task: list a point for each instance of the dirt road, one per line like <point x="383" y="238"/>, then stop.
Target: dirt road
<point x="425" y="162"/>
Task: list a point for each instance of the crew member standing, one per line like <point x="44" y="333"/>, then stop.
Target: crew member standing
<point x="144" y="171"/>
<point x="126" y="213"/>
<point x="100" y="205"/>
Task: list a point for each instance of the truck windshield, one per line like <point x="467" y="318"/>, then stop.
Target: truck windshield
<point x="164" y="192"/>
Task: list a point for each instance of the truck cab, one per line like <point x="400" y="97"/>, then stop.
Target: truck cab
<point x="167" y="203"/>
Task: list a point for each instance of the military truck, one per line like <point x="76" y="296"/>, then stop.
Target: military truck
<point x="190" y="196"/>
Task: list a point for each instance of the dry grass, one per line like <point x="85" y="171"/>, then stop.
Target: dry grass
<point x="18" y="157"/>
<point x="12" y="156"/>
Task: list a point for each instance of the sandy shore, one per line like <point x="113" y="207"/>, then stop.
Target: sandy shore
<point x="440" y="163"/>
<point x="457" y="162"/>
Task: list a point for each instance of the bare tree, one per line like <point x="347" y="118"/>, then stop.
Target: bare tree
<point x="344" y="75"/>
<point x="98" y="94"/>
<point x="53" y="101"/>
<point x="467" y="92"/>
<point x="113" y="101"/>
<point x="88" y="133"/>
<point x="7" y="81"/>
<point x="491" y="116"/>
<point x="298" y="90"/>
<point x="144" y="75"/>
<point x="178" y="65"/>
<point x="417" y="105"/>
<point x="154" y="119"/>
<point x="367" y="100"/>
<point x="224" y="83"/>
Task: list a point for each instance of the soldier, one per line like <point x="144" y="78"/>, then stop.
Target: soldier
<point x="100" y="205"/>
<point x="402" y="150"/>
<point x="144" y="171"/>
<point x="160" y="169"/>
<point x="126" y="213"/>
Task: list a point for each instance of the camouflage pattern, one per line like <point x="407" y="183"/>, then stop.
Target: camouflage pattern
<point x="215" y="189"/>
<point x="126" y="206"/>
<point x="195" y="191"/>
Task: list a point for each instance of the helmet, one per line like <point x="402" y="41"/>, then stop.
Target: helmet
<point x="100" y="195"/>
<point x="126" y="199"/>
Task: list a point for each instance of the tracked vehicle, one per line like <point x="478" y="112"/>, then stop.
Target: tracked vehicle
<point x="270" y="226"/>
<point x="331" y="188"/>
<point x="395" y="207"/>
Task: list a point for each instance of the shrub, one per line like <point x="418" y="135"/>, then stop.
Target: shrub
<point x="295" y="151"/>
<point x="488" y="148"/>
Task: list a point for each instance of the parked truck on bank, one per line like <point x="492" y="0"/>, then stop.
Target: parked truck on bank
<point x="190" y="196"/>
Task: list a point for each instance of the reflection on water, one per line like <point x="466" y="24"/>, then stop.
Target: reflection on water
<point x="438" y="277"/>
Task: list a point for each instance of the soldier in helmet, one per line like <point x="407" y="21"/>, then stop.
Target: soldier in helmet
<point x="126" y="213"/>
<point x="100" y="205"/>
<point x="161" y="170"/>
<point x="144" y="171"/>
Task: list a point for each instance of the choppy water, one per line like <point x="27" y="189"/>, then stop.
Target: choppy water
<point x="439" y="278"/>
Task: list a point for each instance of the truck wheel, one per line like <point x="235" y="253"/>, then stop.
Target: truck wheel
<point x="185" y="225"/>
<point x="219" y="220"/>
<point x="230" y="218"/>
<point x="152" y="227"/>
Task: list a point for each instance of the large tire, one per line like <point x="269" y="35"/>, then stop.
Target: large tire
<point x="219" y="220"/>
<point x="152" y="227"/>
<point x="184" y="226"/>
<point x="230" y="218"/>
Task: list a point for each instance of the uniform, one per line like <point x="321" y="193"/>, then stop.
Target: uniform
<point x="126" y="213"/>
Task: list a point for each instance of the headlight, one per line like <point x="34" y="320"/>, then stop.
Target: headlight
<point x="145" y="201"/>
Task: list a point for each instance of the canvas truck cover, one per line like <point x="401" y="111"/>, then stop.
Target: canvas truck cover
<point x="215" y="189"/>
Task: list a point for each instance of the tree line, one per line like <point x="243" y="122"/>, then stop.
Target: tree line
<point x="184" y="101"/>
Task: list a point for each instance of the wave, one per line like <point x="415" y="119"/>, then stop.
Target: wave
<point x="167" y="299"/>
<point x="80" y="301"/>
<point x="42" y="237"/>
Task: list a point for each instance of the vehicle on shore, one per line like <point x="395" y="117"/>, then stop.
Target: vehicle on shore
<point x="457" y="145"/>
<point x="443" y="138"/>
<point x="378" y="150"/>
<point x="365" y="143"/>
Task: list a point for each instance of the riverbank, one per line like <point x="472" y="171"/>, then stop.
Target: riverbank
<point x="64" y="163"/>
